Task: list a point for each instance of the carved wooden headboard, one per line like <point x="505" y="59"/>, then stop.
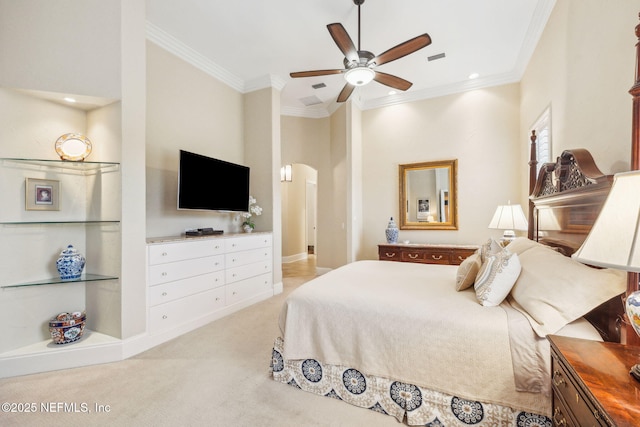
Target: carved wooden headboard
<point x="565" y="201"/>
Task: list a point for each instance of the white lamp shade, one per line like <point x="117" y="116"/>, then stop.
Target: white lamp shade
<point x="509" y="217"/>
<point x="614" y="240"/>
<point x="359" y="76"/>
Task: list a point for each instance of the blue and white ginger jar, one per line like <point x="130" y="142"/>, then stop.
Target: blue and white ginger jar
<point x="70" y="264"/>
<point x="392" y="231"/>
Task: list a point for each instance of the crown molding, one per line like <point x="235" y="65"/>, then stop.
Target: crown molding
<point x="184" y="52"/>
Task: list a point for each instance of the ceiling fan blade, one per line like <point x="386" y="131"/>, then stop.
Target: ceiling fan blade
<point x="403" y="49"/>
<point x="315" y="73"/>
<point x="344" y="42"/>
<point x="346" y="92"/>
<point x="392" y="81"/>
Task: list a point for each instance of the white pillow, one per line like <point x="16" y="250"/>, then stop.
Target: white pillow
<point x="554" y="290"/>
<point x="496" y="277"/>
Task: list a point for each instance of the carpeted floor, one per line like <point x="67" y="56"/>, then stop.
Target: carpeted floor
<point x="217" y="375"/>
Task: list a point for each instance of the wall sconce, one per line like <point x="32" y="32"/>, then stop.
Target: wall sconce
<point x="285" y="173"/>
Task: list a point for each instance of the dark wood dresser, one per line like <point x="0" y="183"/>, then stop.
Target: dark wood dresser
<point x="425" y="253"/>
<point x="591" y="383"/>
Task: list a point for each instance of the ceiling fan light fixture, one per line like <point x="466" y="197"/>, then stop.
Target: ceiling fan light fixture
<point x="359" y="76"/>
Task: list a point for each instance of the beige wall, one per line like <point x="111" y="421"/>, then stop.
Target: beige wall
<point x="186" y="109"/>
<point x="479" y="128"/>
<point x="583" y="68"/>
<point x="69" y="47"/>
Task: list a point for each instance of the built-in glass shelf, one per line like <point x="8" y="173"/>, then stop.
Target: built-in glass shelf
<point x="57" y="280"/>
<point x="59" y="222"/>
<point x="66" y="165"/>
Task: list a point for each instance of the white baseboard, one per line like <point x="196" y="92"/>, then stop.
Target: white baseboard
<point x="294" y="258"/>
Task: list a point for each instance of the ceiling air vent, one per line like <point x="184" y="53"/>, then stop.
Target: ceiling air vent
<point x="434" y="57"/>
<point x="318" y="85"/>
<point x="310" y="100"/>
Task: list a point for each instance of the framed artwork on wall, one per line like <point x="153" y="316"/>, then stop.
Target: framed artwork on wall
<point x="42" y="194"/>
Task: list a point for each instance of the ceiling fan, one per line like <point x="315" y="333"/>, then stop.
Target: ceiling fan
<point x="359" y="64"/>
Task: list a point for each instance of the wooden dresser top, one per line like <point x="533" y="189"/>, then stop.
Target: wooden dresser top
<point x="603" y="367"/>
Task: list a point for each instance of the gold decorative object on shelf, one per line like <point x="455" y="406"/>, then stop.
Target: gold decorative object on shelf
<point x="73" y="146"/>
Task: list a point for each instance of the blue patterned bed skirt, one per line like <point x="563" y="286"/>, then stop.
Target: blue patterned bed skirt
<point x="420" y="406"/>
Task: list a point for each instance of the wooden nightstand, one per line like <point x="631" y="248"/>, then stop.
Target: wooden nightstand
<point x="591" y="383"/>
<point x="425" y="254"/>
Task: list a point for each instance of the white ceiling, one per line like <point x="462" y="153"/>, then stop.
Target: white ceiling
<point x="254" y="44"/>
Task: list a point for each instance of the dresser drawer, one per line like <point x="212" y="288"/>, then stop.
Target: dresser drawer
<point x="172" y="252"/>
<point x="246" y="271"/>
<point x="574" y="403"/>
<point x="236" y="259"/>
<point x="427" y="256"/>
<point x="163" y="273"/>
<point x="244" y="243"/>
<point x="244" y="289"/>
<point x="389" y="254"/>
<point x="167" y="316"/>
<point x="459" y="255"/>
<point x="561" y="415"/>
<point x="171" y="291"/>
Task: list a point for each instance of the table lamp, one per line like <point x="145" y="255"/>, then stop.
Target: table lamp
<point x="509" y="218"/>
<point x="614" y="240"/>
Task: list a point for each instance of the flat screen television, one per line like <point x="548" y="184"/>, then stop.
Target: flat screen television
<point x="205" y="183"/>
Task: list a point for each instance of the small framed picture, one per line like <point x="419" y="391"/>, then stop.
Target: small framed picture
<point x="424" y="209"/>
<point x="42" y="195"/>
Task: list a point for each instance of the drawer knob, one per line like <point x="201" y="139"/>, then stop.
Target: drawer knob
<point x="413" y="256"/>
<point x="164" y="294"/>
<point x="558" y="418"/>
<point x="164" y="254"/>
<point x="164" y="316"/>
<point x="558" y="380"/>
<point x="164" y="273"/>
<point x="234" y="293"/>
<point x="461" y="258"/>
<point x="217" y="298"/>
<point x="437" y="258"/>
<point x="390" y="255"/>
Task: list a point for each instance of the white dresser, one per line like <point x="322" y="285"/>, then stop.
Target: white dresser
<point x="192" y="281"/>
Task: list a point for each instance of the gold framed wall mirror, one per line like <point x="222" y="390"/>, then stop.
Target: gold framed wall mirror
<point x="428" y="196"/>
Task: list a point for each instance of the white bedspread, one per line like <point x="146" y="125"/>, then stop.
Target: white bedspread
<point x="406" y="322"/>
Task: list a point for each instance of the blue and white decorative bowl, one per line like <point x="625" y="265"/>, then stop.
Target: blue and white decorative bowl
<point x="632" y="307"/>
<point x="67" y="327"/>
<point x="70" y="264"/>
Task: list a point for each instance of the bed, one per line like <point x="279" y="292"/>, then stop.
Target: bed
<point x="442" y="345"/>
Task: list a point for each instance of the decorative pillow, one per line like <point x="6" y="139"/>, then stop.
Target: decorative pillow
<point x="521" y="244"/>
<point x="496" y="277"/>
<point x="491" y="247"/>
<point x="467" y="272"/>
<point x="554" y="290"/>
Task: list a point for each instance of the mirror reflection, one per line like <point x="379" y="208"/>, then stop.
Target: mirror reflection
<point x="428" y="195"/>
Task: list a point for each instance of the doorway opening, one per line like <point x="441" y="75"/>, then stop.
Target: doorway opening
<point x="299" y="213"/>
